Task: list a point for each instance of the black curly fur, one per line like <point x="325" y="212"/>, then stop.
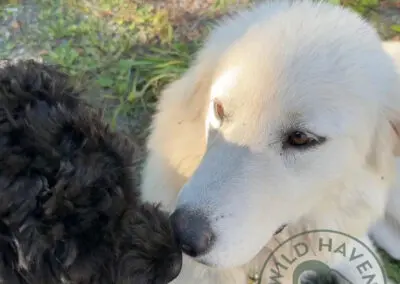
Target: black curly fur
<point x="69" y="209"/>
<point x="322" y="278"/>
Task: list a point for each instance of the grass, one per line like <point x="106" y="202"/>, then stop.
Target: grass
<point x="392" y="267"/>
<point x="127" y="53"/>
<point x="122" y="52"/>
<point x="124" y="49"/>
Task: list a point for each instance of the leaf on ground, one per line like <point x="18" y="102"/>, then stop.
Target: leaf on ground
<point x="43" y="52"/>
<point x="395" y="28"/>
<point x="105" y="82"/>
<point x="396" y="38"/>
<point x="390" y="4"/>
<point x="126" y="63"/>
<point x="106" y="13"/>
<point x="369" y="2"/>
<point x="80" y="50"/>
<point x="16" y="25"/>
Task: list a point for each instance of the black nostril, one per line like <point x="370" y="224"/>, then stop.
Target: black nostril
<point x="187" y="249"/>
<point x="193" y="231"/>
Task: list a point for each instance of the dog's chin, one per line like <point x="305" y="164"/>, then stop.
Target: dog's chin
<point x="207" y="262"/>
<point x="217" y="264"/>
<point x="210" y="261"/>
<point x="224" y="259"/>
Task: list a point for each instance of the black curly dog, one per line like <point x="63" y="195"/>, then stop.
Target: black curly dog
<point x="69" y="209"/>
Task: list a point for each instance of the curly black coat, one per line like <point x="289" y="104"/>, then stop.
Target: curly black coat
<point x="69" y="209"/>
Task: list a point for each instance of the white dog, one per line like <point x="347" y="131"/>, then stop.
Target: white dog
<point x="286" y="116"/>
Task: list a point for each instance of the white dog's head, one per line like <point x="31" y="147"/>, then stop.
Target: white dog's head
<point x="299" y="107"/>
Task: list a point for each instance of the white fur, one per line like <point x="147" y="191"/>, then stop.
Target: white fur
<point x="278" y="67"/>
<point x="386" y="232"/>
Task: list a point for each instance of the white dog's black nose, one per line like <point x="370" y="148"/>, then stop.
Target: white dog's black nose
<point x="193" y="231"/>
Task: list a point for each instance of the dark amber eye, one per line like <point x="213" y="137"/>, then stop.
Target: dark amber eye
<point x="219" y="110"/>
<point x="298" y="138"/>
<point x="302" y="140"/>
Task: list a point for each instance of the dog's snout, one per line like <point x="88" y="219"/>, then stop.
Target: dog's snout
<point x="193" y="231"/>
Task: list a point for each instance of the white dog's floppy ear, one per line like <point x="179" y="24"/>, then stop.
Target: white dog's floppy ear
<point x="386" y="143"/>
<point x="191" y="91"/>
<point x="393" y="104"/>
<point x="180" y="120"/>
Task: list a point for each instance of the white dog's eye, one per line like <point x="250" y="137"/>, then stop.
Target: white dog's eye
<point x="218" y="110"/>
<point x="300" y="139"/>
